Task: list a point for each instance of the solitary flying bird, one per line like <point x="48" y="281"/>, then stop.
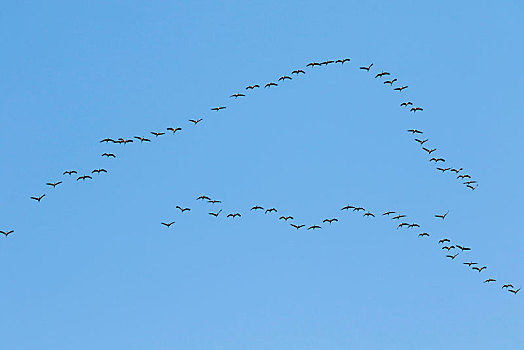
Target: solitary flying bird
<point x="168" y="224"/>
<point x="38" y="199"/>
<point x="108" y="155"/>
<point x="7" y="233"/>
<point x="442" y="216"/>
<point x="217" y="108"/>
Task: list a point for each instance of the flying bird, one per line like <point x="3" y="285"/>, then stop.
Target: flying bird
<point x="54" y="184"/>
<point x="402" y="224"/>
<point x="479" y="269"/>
<point x="388" y="213"/>
<point x="470" y="263"/>
<point x="443" y="169"/>
<point x="347" y="207"/>
<point x="367" y="68"/>
<point x="214" y="201"/>
<point x="448" y="248"/>
<point x="414" y="109"/>
<point x="70" y="172"/>
<point x="436" y="160"/>
<point x="507" y="286"/>
<point x="216" y="214"/>
<point x="182" y="209"/>
<point x="217" y="108"/>
<point x="443" y="240"/>
<point x="462" y="248"/>
<point x="422" y="141"/>
<point x="286" y="218"/>
<point x="195" y="121"/>
<point x="174" y="130"/>
<point x="168" y="224"/>
<point x="270" y="84"/>
<point x="251" y="87"/>
<point x="142" y="139"/>
<point x="464" y="176"/>
<point x="472" y="187"/>
<point x="429" y="150"/>
<point x="257" y="207"/>
<point x="399" y="89"/>
<point x="108" y="155"/>
<point x="297" y="226"/>
<point x="489" y="280"/>
<point x="413" y="225"/>
<point x="390" y="82"/>
<point x="514" y="291"/>
<point x="457" y="170"/>
<point x="98" y="171"/>
<point x="381" y="74"/>
<point x="326" y="62"/>
<point x="312" y="64"/>
<point x="423" y="234"/>
<point x="398" y="217"/>
<point x="313" y="227"/>
<point x="343" y="60"/>
<point x="284" y="77"/>
<point x="442" y="216"/>
<point x="38" y="199"/>
<point x="203" y="197"/>
<point x="452" y="256"/>
<point x="237" y="95"/>
<point x="405" y="104"/>
<point x="330" y="220"/>
<point x="7" y="233"/>
<point x="298" y="71"/>
<point x="415" y="131"/>
<point x="233" y="215"/>
<point x="107" y="140"/>
<point x="358" y="209"/>
<point x="84" y="177"/>
<point x="157" y="133"/>
<point x="369" y="214"/>
<point x="270" y="210"/>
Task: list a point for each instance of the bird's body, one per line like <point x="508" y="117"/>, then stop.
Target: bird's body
<point x="218" y="108"/>
<point x="7" y="233"/>
<point x="167" y="224"/>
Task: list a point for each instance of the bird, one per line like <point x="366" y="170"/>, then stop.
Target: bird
<point x="462" y="248"/>
<point x="70" y="172"/>
<point x="343" y="60"/>
<point x="423" y="234"/>
<point x="422" y="141"/>
<point x="195" y="121"/>
<point x="452" y="256"/>
<point x="286" y="218"/>
<point x="167" y="224"/>
<point x="38" y="199"/>
<point x="415" y="131"/>
<point x="381" y="74"/>
<point x="251" y="87"/>
<point x="231" y="215"/>
<point x="367" y="68"/>
<point x="107" y="140"/>
<point x="456" y="170"/>
<point x="326" y="62"/>
<point x="442" y="216"/>
<point x="479" y="269"/>
<point x="312" y="64"/>
<point x="429" y="150"/>
<point x="218" y="108"/>
<point x="390" y="82"/>
<point x="470" y="263"/>
<point x="182" y="209"/>
<point x="444" y="240"/>
<point x="330" y="220"/>
<point x="448" y="248"/>
<point x="489" y="280"/>
<point x="7" y="233"/>
<point x="402" y="224"/>
<point x="398" y="217"/>
<point x="472" y="187"/>
<point x="108" y="155"/>
<point x="507" y="286"/>
<point x="399" y="89"/>
<point x="436" y="160"/>
<point x="347" y="207"/>
<point x="203" y="197"/>
<point x="297" y="226"/>
<point x="514" y="291"/>
<point x="157" y="133"/>
<point x="284" y="77"/>
<point x="388" y="213"/>
<point x="270" y="210"/>
<point x="270" y="84"/>
<point x="84" y="177"/>
<point x="369" y="214"/>
<point x="469" y="182"/>
<point x="237" y="95"/>
<point x="142" y="139"/>
<point x="443" y="169"/>
<point x="406" y="104"/>
<point x="414" y="109"/>
<point x="214" y="201"/>
<point x="464" y="176"/>
<point x="298" y="71"/>
<point x="313" y="227"/>
<point x="174" y="130"/>
<point x="54" y="184"/>
<point x="413" y="225"/>
<point x="98" y="171"/>
<point x="358" y="209"/>
<point x="257" y="207"/>
<point x="216" y="214"/>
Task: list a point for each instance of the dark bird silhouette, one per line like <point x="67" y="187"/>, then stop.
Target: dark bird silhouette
<point x="98" y="171"/>
<point x="313" y="227"/>
<point x="442" y="216"/>
<point x="472" y="187"/>
<point x="436" y="160"/>
<point x="84" y="177"/>
<point x="298" y="71"/>
<point x="464" y="176"/>
<point x="142" y="139"/>
<point x="390" y="82"/>
<point x="443" y="241"/>
<point x="297" y="226"/>
<point x="257" y="207"/>
<point x="38" y="199"/>
<point x="108" y="155"/>
<point x="399" y="89"/>
<point x="422" y="141"/>
<point x="398" y="217"/>
<point x="54" y="184"/>
<point x="270" y="210"/>
<point x="429" y="150"/>
<point x="270" y="84"/>
<point x="369" y="214"/>
<point x="216" y="214"/>
<point x="413" y="225"/>
<point x="325" y="63"/>
<point x="231" y="215"/>
<point x="157" y="133"/>
<point x="514" y="291"/>
<point x="251" y="87"/>
<point x="330" y="220"/>
<point x="237" y="95"/>
<point x="203" y="197"/>
<point x="462" y="248"/>
<point x="70" y="172"/>
<point x="312" y="64"/>
<point x="388" y="213"/>
<point x="423" y="234"/>
<point x="402" y="224"/>
<point x="214" y="201"/>
<point x="347" y="207"/>
<point x="448" y="248"/>
<point x="182" y="209"/>
<point x="489" y="280"/>
<point x="195" y="121"/>
<point x="414" y="109"/>
<point x="286" y="218"/>
<point x="470" y="263"/>
<point x="367" y="68"/>
<point x="284" y="77"/>
<point x="343" y="60"/>
<point x="7" y="233"/>
<point x="107" y="140"/>
<point x="406" y="104"/>
<point x="479" y="269"/>
<point x="456" y="171"/>
<point x="415" y="131"/>
<point x="174" y="130"/>
<point x="168" y="224"/>
<point x="507" y="286"/>
<point x="452" y="256"/>
<point x="443" y="169"/>
<point x="381" y="74"/>
<point x="358" y="209"/>
<point x="469" y="182"/>
<point x="218" y="108"/>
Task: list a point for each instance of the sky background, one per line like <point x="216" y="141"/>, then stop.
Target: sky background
<point x="92" y="267"/>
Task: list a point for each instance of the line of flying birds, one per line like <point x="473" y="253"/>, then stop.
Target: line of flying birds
<point x="195" y="121"/>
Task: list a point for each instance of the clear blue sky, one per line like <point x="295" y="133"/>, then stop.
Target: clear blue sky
<point x="92" y="267"/>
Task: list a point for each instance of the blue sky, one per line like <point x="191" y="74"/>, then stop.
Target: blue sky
<point x="91" y="265"/>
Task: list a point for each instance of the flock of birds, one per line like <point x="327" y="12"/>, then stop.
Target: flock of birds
<point x="465" y="178"/>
